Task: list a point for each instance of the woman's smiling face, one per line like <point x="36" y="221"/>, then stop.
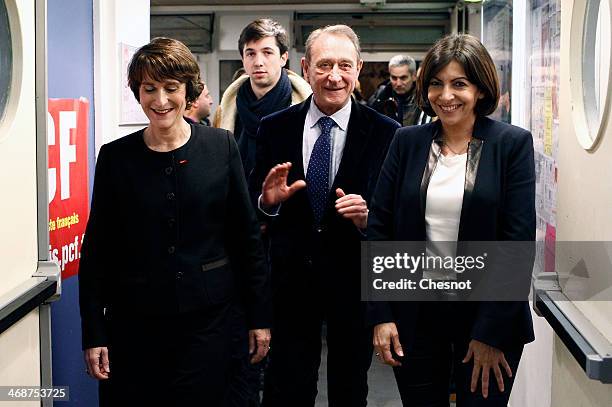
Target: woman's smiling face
<point x="452" y="96"/>
<point x="163" y="102"/>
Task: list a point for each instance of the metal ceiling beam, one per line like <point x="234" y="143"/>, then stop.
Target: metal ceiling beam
<point x="347" y="8"/>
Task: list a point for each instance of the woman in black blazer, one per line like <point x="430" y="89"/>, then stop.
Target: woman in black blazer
<point x="461" y="178"/>
<point x="172" y="240"/>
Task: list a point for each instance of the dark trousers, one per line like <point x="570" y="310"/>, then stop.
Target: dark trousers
<point x="295" y="355"/>
<point x="179" y="360"/>
<point x="435" y="357"/>
<point x="245" y="378"/>
<point x="243" y="384"/>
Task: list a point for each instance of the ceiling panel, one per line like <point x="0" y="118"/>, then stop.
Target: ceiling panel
<point x="271" y="2"/>
<point x="195" y="30"/>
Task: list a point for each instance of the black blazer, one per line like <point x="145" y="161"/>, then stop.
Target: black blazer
<point x="302" y="253"/>
<point x="498" y="206"/>
<point x="169" y="233"/>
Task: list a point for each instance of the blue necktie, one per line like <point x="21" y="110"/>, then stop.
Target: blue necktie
<point x="317" y="176"/>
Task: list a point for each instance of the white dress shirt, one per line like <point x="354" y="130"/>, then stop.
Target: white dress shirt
<point x="312" y="131"/>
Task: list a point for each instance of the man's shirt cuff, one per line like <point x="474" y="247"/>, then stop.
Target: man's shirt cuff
<point x="269" y="211"/>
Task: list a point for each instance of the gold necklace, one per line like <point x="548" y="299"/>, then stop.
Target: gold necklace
<point x="456" y="152"/>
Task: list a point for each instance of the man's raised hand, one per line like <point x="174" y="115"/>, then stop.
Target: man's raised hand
<point x="275" y="189"/>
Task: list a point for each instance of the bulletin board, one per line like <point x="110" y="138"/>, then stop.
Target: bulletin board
<point x="543" y="80"/>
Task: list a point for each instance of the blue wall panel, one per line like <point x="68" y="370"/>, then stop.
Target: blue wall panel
<point x="70" y="75"/>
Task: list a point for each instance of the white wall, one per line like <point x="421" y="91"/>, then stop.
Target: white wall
<point x="18" y="211"/>
<point x="584" y="200"/>
<point x="115" y="22"/>
<point x="20" y="356"/>
<point x="532" y="383"/>
<point x="583" y="216"/>
<point x="571" y="387"/>
<point x="19" y="344"/>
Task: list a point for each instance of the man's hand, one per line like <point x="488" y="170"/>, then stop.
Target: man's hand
<point x="486" y="358"/>
<point x="275" y="189"/>
<point x="384" y="335"/>
<point x="259" y="344"/>
<point x="96" y="361"/>
<point x="352" y="207"/>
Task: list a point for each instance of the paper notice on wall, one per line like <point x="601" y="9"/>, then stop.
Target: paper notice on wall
<point x="548" y="121"/>
<point x="130" y="111"/>
<point x="546" y="187"/>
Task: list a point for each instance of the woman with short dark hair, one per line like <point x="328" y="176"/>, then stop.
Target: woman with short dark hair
<point x="463" y="178"/>
<point x="172" y="240"/>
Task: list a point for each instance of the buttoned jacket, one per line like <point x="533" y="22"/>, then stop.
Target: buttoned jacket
<point x="169" y="233"/>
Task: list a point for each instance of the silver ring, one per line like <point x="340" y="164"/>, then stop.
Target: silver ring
<point x="377" y="354"/>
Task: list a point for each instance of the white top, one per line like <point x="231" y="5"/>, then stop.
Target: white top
<point x="312" y="131"/>
<point x="443" y="208"/>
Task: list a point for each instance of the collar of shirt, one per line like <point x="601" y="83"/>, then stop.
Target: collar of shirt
<point x="338" y="136"/>
<point x="341" y="117"/>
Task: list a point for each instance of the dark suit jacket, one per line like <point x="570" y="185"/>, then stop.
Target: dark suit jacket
<point x="170" y="233"/>
<point x="309" y="261"/>
<point x="499" y="206"/>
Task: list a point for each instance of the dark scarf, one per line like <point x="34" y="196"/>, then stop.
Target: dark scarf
<point x="251" y="110"/>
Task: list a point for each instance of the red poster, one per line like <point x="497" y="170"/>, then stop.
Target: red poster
<point x="67" y="125"/>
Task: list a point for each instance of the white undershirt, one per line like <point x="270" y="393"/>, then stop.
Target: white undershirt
<point x="443" y="208"/>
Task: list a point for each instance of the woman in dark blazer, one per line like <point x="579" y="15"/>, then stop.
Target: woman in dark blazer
<point x="172" y="240"/>
<point x="461" y="178"/>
